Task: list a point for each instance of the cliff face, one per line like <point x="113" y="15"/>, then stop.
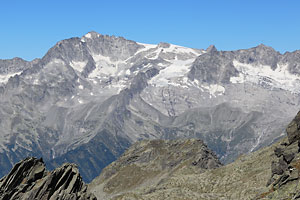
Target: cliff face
<point x="29" y="179"/>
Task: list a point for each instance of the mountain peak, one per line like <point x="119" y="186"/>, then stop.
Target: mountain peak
<point x="92" y="34"/>
<point x="211" y="48"/>
<point x="164" y="45"/>
<point x="264" y="47"/>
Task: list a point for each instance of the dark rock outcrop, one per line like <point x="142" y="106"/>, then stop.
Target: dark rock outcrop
<point x="293" y="129"/>
<point x="286" y="167"/>
<point x="29" y="179"/>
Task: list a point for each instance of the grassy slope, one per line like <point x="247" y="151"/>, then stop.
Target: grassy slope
<point x="245" y="178"/>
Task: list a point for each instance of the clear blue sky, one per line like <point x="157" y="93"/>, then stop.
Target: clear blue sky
<point x="29" y="28"/>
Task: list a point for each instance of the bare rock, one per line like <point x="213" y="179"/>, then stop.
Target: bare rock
<point x="293" y="129"/>
<point x="29" y="179"/>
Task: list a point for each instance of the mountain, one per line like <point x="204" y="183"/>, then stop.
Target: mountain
<point x="29" y="179"/>
<point x="88" y="99"/>
<point x="186" y="169"/>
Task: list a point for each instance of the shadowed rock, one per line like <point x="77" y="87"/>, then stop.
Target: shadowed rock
<point x="29" y="179"/>
<point x="293" y="129"/>
<point x="286" y="165"/>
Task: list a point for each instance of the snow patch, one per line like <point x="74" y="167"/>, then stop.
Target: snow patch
<point x="5" y="77"/>
<point x="182" y="50"/>
<point x="264" y="74"/>
<point x="178" y="69"/>
<point x="79" y="65"/>
<point x="80" y="87"/>
<point x="104" y="66"/>
<point x="171" y="49"/>
<point x="36" y="82"/>
<point x="214" y="89"/>
<point x="88" y="35"/>
<point x="146" y="47"/>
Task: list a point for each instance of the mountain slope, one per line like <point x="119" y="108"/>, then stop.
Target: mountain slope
<point x="269" y="173"/>
<point x="245" y="178"/>
<point x="96" y="95"/>
<point x="148" y="163"/>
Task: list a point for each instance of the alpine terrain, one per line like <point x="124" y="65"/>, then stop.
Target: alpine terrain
<point x="187" y="169"/>
<point x="88" y="99"/>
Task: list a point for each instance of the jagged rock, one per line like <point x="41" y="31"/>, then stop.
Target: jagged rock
<point x="279" y="167"/>
<point x="288" y="157"/>
<point x="29" y="179"/>
<point x="293" y="129"/>
<point x="286" y="165"/>
<point x="278" y="152"/>
<point x="205" y="68"/>
<point x="211" y="48"/>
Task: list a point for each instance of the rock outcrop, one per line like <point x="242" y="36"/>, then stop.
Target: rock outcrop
<point x="285" y="167"/>
<point x="293" y="130"/>
<point x="29" y="179"/>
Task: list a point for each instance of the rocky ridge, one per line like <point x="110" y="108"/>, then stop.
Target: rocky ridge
<point x="150" y="162"/>
<point x="29" y="179"/>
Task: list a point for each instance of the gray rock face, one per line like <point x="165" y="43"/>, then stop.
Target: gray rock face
<point x="30" y="180"/>
<point x="217" y="66"/>
<point x="259" y="55"/>
<point x="88" y="99"/>
<point x="14" y="65"/>
<point x="213" y="67"/>
<point x="292" y="59"/>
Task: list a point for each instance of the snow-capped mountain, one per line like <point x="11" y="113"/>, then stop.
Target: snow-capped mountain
<point x="89" y="98"/>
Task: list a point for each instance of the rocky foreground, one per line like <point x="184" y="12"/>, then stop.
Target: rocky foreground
<point x="29" y="179"/>
<point x="186" y="169"/>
